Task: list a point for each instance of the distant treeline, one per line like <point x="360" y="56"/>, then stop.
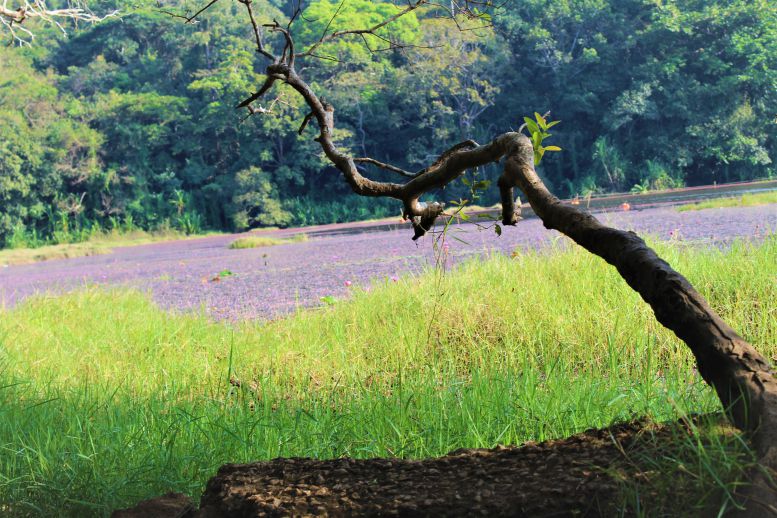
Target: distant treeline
<point x="131" y="123"/>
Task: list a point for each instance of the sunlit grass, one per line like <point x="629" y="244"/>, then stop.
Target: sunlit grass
<point x="51" y="252"/>
<point x="746" y="200"/>
<point x="106" y="399"/>
<point x="262" y="241"/>
<point x="101" y="243"/>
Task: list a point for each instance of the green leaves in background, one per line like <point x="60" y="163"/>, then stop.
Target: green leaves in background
<point x="130" y="123"/>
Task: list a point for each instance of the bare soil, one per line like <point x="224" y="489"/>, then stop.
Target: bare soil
<point x="583" y="475"/>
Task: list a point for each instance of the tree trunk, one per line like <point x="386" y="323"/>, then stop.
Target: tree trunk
<point x="742" y="377"/>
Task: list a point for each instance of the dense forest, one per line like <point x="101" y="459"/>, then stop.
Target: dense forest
<point x="131" y="123"/>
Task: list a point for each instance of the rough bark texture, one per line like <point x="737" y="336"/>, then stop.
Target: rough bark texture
<point x="584" y="475"/>
<point x="742" y="378"/>
<point x="579" y="476"/>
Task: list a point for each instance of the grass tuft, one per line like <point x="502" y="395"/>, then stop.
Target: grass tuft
<point x="746" y="200"/>
<point x="262" y="241"/>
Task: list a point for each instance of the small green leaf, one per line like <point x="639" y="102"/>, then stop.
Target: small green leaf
<point x="538" y="153"/>
<point x="466" y="181"/>
<point x="482" y="185"/>
<point x="551" y="124"/>
<point x="552" y="148"/>
<point x="540" y="120"/>
<point x="328" y="300"/>
<point x="533" y="128"/>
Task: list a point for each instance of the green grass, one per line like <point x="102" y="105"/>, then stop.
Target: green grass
<point x="51" y="252"/>
<point x="746" y="200"/>
<point x="262" y="241"/>
<point x="101" y="243"/>
<point x="107" y="400"/>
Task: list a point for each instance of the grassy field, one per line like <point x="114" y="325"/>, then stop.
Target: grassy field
<point x="102" y="243"/>
<point x="746" y="200"/>
<point x="106" y="400"/>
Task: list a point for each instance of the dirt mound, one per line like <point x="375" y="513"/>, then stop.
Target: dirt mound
<point x="578" y="476"/>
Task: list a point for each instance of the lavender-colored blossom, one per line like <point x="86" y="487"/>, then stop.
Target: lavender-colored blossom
<point x="266" y="282"/>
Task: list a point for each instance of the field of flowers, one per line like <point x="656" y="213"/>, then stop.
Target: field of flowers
<point x="205" y="275"/>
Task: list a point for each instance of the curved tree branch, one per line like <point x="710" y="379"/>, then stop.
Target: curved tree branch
<point x="742" y="378"/>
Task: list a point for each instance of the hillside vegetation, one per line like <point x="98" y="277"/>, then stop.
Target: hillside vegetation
<point x="131" y="123"/>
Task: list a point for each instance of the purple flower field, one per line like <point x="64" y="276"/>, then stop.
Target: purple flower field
<point x="266" y="282"/>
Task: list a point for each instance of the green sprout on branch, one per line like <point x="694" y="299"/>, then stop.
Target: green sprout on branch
<point x="539" y="132"/>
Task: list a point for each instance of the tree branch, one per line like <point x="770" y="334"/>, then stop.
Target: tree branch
<point x="288" y="55"/>
<point x="305" y="123"/>
<point x="388" y="167"/>
<point x="257" y="31"/>
<point x="742" y="378"/>
<point x="193" y="17"/>
<point x="272" y="76"/>
<point x="12" y="18"/>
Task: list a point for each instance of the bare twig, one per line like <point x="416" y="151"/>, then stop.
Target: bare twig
<point x="193" y="17"/>
<point x="332" y="19"/>
<point x="288" y="55"/>
<point x="257" y="31"/>
<point x="271" y="78"/>
<point x="305" y="123"/>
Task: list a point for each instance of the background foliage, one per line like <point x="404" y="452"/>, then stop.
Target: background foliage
<point x="130" y="123"/>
